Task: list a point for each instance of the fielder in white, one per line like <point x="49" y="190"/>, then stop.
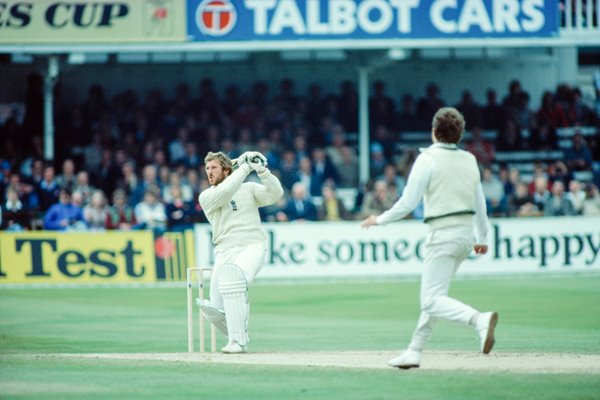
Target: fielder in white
<point x="231" y="206"/>
<point x="448" y="181"/>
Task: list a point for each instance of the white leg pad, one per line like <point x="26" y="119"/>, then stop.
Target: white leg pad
<point x="213" y="315"/>
<point x="234" y="290"/>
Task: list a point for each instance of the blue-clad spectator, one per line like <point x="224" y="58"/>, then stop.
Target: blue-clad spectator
<point x="64" y="215"/>
<point x="300" y="207"/>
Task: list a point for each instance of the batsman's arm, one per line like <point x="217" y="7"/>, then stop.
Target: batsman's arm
<point x="220" y="195"/>
<point x="270" y="191"/>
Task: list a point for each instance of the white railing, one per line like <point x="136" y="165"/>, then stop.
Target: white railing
<point x="581" y="16"/>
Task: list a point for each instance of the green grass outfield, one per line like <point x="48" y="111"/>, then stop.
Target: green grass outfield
<point x="558" y="315"/>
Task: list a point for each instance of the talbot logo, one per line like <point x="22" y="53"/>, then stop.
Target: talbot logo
<point x="216" y="17"/>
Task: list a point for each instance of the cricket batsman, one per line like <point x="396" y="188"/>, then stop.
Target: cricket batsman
<point x="231" y="206"/>
<point x="448" y="181"/>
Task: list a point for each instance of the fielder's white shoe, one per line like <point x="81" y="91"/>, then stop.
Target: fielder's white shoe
<point x="213" y="315"/>
<point x="233" y="347"/>
<point x="486" y="323"/>
<point x="407" y="359"/>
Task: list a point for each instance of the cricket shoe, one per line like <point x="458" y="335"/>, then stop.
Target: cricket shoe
<point x="486" y="324"/>
<point x="407" y="359"/>
<point x="233" y="347"/>
<point x="213" y="315"/>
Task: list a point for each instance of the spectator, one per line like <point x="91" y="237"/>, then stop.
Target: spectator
<point x="378" y="160"/>
<point x="185" y="190"/>
<point x="332" y="208"/>
<point x="578" y="113"/>
<point x="525" y="118"/>
<point x="509" y="138"/>
<point x="541" y="194"/>
<point x="428" y="105"/>
<point x="150" y="212"/>
<point x="14" y="215"/>
<point x="300" y="207"/>
<point x="107" y="173"/>
<point x="543" y="137"/>
<point x="492" y="112"/>
<point x="512" y="101"/>
<point x="407" y="120"/>
<point x="191" y="158"/>
<point x="64" y="216"/>
<point x="120" y="214"/>
<point x="149" y="179"/>
<point x="48" y="189"/>
<point x="323" y="169"/>
<point x="180" y="213"/>
<point x="406" y="161"/>
<point x="558" y="204"/>
<point x="288" y="169"/>
<point x="521" y="203"/>
<point x="67" y="179"/>
<point x="92" y="153"/>
<point x="482" y="149"/>
<point x="378" y="200"/>
<point x="25" y="191"/>
<point x="469" y="108"/>
<point x="95" y="214"/>
<point x="306" y="175"/>
<point x="348" y="169"/>
<point x="177" y="145"/>
<point x="128" y="180"/>
<point x="338" y="141"/>
<point x="539" y="169"/>
<point x="507" y="183"/>
<point x="551" y="113"/>
<point x="494" y="193"/>
<point x="393" y="179"/>
<point x="382" y="108"/>
<point x="82" y="185"/>
<point x="579" y="156"/>
<point x="576" y="195"/>
<point x="591" y="203"/>
<point x="558" y="171"/>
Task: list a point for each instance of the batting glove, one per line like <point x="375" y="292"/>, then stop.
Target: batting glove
<point x="257" y="164"/>
<point x="257" y="155"/>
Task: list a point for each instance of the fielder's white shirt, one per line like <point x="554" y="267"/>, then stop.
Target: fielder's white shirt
<point x="416" y="185"/>
<point x="231" y="207"/>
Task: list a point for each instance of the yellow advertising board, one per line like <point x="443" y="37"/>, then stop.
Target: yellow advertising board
<point x="98" y="21"/>
<point x="82" y="257"/>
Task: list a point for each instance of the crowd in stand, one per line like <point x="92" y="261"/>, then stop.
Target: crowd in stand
<point x="137" y="163"/>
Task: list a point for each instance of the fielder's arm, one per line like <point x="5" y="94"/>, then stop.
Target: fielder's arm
<point x="417" y="182"/>
<point x="481" y="221"/>
<point x="270" y="191"/>
<point x="220" y="195"/>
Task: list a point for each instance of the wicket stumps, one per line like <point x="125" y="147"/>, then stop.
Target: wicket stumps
<point x="199" y="274"/>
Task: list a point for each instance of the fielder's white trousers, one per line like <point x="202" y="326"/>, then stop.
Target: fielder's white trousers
<point x="446" y="249"/>
<point x="249" y="258"/>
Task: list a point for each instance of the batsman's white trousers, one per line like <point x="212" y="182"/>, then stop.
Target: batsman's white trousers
<point x="249" y="258"/>
<point x="446" y="249"/>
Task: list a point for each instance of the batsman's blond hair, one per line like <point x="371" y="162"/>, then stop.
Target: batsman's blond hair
<point x="221" y="158"/>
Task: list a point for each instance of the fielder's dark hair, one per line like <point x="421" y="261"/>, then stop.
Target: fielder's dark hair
<point x="448" y="125"/>
<point x="221" y="158"/>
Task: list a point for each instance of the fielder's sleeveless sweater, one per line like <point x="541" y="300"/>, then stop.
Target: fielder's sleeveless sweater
<point x="449" y="198"/>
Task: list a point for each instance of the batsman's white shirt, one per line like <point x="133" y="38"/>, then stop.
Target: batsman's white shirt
<point x="231" y="207"/>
